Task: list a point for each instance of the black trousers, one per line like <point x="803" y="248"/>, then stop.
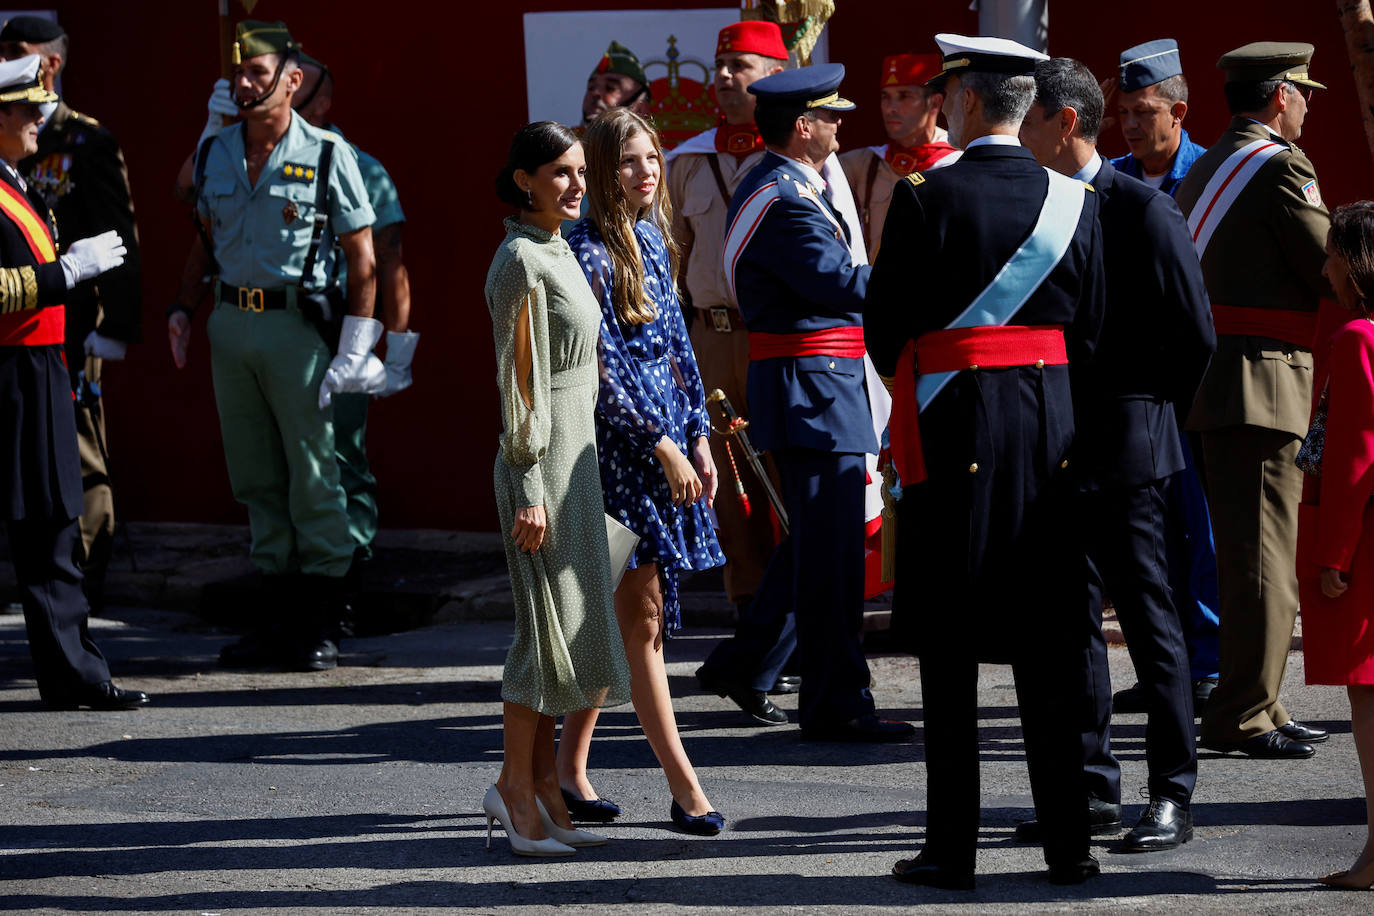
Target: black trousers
<point x="64" y="657"/>
<point x="1127" y="560"/>
<point x="814" y="582"/>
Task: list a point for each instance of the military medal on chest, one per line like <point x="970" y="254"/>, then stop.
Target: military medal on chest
<point x="290" y="212"/>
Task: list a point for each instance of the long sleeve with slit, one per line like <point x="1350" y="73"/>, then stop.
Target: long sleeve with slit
<point x="1336" y="520"/>
<point x="567" y="654"/>
<point x="650" y="387"/>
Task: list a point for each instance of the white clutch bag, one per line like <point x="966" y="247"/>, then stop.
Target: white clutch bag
<point x="622" y="542"/>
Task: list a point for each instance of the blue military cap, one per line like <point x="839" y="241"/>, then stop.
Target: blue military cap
<point x="1149" y="63"/>
<point x="817" y="86"/>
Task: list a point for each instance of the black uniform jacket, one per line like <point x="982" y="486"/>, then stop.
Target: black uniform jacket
<point x="40" y="472"/>
<point x="79" y="171"/>
<point x="1156" y="339"/>
<point x="990" y="525"/>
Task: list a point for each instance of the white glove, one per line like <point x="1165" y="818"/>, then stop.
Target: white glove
<point x="104" y="347"/>
<point x="219" y="107"/>
<point x="400" y="350"/>
<point x="86" y="258"/>
<point x="356" y="368"/>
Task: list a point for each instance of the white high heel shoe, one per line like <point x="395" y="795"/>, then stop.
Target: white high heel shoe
<point x="494" y="806"/>
<point x="564" y="835"/>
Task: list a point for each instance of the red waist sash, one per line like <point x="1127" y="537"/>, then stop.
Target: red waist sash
<point x="34" y="328"/>
<point x="844" y="343"/>
<point x="954" y="350"/>
<point x="1294" y="327"/>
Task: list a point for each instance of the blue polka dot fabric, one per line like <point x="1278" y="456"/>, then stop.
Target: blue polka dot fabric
<point x="650" y="388"/>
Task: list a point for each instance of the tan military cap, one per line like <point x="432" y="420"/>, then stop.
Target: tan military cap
<point x="1269" y="60"/>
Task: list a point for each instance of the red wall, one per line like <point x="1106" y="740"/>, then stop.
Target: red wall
<point x="437" y="104"/>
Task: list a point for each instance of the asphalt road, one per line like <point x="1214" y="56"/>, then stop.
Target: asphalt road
<point x="358" y="790"/>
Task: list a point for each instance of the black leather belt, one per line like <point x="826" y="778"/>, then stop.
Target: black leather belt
<point x="724" y="319"/>
<point x="252" y="299"/>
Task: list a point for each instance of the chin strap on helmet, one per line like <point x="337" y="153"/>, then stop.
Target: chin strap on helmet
<point x="253" y="103"/>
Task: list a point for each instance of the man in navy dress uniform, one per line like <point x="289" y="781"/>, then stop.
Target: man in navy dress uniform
<point x="989" y="283"/>
<point x="790" y="267"/>
<point x="40" y="470"/>
<point x="1155" y="345"/>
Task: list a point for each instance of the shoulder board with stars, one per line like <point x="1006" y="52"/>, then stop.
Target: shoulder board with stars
<point x="330" y="136"/>
<point x="295" y="171"/>
<point x="916" y="178"/>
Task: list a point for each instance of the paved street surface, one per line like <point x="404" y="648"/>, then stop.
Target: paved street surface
<point x="358" y="790"/>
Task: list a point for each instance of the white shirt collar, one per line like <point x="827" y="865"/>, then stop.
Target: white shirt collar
<point x="808" y="173"/>
<point x="994" y="140"/>
<point x="1268" y="128"/>
<point x="1089" y="171"/>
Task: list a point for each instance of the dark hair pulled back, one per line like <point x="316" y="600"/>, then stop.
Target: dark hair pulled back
<point x="1352" y="237"/>
<point x="532" y="146"/>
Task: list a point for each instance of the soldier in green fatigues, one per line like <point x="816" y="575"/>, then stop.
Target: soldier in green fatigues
<point x="260" y="186"/>
<point x="393" y="308"/>
<point x="79" y="170"/>
<point x="1260" y="228"/>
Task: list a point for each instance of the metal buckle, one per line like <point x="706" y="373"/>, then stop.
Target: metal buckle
<point x="250" y="300"/>
<point x="720" y="319"/>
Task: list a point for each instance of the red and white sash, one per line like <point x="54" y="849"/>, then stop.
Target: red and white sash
<point x="1226" y="185"/>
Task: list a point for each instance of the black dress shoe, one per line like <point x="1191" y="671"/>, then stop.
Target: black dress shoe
<point x="1294" y="730"/>
<point x="1274" y="745"/>
<point x="1104" y="817"/>
<point x="867" y="727"/>
<point x="1165" y="825"/>
<point x="1129" y="701"/>
<point x="918" y="871"/>
<point x="104" y="697"/>
<point x="755" y="703"/>
<point x="595" y="809"/>
<point x="318" y="654"/>
<point x="1202" y="692"/>
<point x="1074" y="872"/>
<point x="786" y="683"/>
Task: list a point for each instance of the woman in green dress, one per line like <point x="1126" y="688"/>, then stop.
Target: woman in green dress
<point x="567" y="653"/>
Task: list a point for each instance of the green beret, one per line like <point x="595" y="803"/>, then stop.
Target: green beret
<point x="1261" y="61"/>
<point x="620" y="59"/>
<point x="253" y="37"/>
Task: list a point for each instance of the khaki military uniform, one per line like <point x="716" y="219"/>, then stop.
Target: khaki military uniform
<point x="721" y="345"/>
<point x="1252" y="412"/>
<point x="858" y="165"/>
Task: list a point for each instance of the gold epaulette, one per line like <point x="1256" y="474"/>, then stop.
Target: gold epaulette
<point x="915" y="178"/>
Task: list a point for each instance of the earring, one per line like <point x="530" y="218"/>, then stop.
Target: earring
<point x="529" y="198"/>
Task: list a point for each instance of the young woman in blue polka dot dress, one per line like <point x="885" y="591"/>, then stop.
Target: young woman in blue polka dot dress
<point x="651" y="438"/>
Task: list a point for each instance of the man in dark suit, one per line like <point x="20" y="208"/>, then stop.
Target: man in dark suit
<point x="79" y="172"/>
<point x="989" y="569"/>
<point x="1155" y="344"/>
<point x="40" y="477"/>
<point x="789" y="265"/>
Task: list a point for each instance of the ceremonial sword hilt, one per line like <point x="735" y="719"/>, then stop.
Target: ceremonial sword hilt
<point x="733" y="421"/>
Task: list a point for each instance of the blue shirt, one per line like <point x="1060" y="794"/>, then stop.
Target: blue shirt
<point x="261" y="233"/>
<point x="1188" y="153"/>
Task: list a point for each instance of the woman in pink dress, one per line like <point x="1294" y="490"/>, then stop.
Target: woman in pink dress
<point x="1336" y="521"/>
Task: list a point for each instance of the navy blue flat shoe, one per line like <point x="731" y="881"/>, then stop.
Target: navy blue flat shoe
<point x="708" y="824"/>
<point x="598" y="809"/>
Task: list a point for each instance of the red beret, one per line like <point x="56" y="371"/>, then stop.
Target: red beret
<point x="910" y="69"/>
<point x="752" y="37"/>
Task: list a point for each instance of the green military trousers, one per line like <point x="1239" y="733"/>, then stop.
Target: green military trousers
<point x="360" y="487"/>
<point x="278" y="443"/>
<point x="1253" y="490"/>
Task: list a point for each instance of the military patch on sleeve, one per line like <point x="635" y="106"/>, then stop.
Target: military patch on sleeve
<point x="915" y="178"/>
<point x="1312" y="193"/>
<point x="295" y="171"/>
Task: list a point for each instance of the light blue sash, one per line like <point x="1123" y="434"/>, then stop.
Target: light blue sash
<point x="1022" y="275"/>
